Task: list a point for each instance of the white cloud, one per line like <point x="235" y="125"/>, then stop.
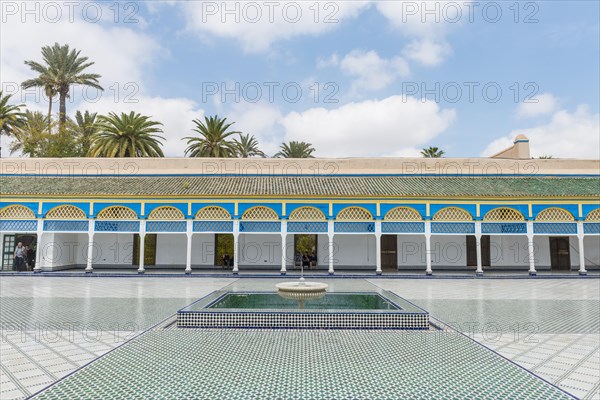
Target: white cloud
<point x="541" y="104"/>
<point x="567" y="135"/>
<point x="427" y="52"/>
<point x="260" y="120"/>
<point x="257" y="25"/>
<point x="372" y="72"/>
<point x="389" y="127"/>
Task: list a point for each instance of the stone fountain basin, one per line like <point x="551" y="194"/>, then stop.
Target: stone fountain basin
<point x="302" y="287"/>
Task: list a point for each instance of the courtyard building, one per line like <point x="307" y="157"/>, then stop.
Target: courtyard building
<point x="379" y="215"/>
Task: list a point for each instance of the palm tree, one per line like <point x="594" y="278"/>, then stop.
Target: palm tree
<point x="213" y="139"/>
<point x="247" y="146"/>
<point x="47" y="78"/>
<point x="126" y="135"/>
<point x="31" y="136"/>
<point x="84" y="127"/>
<point x="11" y="116"/>
<point x="64" y="67"/>
<point x="432" y="152"/>
<point x="295" y="150"/>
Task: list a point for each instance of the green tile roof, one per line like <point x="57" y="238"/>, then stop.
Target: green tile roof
<point x="340" y="186"/>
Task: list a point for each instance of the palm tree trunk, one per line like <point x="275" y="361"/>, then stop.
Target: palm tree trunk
<point x="62" y="111"/>
<point x="50" y="114"/>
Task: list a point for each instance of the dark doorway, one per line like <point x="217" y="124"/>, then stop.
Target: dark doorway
<point x="472" y="251"/>
<point x="389" y="253"/>
<point x="8" y="250"/>
<point x="224" y="247"/>
<point x="306" y="245"/>
<point x="149" y="249"/>
<point x="560" y="256"/>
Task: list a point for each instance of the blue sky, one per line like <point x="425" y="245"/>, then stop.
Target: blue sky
<point x="392" y="70"/>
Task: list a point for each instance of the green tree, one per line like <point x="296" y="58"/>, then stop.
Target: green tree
<point x="213" y="139"/>
<point x="126" y="135"/>
<point x="63" y="68"/>
<point x="432" y="152"/>
<point x="38" y="136"/>
<point x="295" y="150"/>
<point x="546" y="157"/>
<point x="247" y="146"/>
<point x="11" y="116"/>
<point x="84" y="127"/>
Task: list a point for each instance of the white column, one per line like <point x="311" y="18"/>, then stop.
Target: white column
<point x="479" y="270"/>
<point x="428" y="270"/>
<point x="330" y="232"/>
<point x="90" y="250"/>
<point x="38" y="248"/>
<point x="531" y="249"/>
<point x="188" y="249"/>
<point x="580" y="236"/>
<point x="283" y="247"/>
<point x="141" y="269"/>
<point x="236" y="245"/>
<point x="378" y="247"/>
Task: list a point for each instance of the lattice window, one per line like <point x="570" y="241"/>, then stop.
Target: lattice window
<point x="591" y="228"/>
<point x="18" y="226"/>
<point x="555" y="214"/>
<point x="402" y="227"/>
<point x="117" y="212"/>
<point x="260" y="213"/>
<point x="452" y="214"/>
<point x="16" y="212"/>
<point x="503" y="214"/>
<point x="307" y="214"/>
<point x="213" y="213"/>
<point x="117" y="226"/>
<point x="68" y="226"/>
<point x="554" y="228"/>
<point x="307" y="226"/>
<point x="260" y="226"/>
<point x="453" y="227"/>
<point x="213" y="226"/>
<point x="403" y="214"/>
<point x="507" y="229"/>
<point x="166" y="226"/>
<point x="594" y="215"/>
<point x="354" y="214"/>
<point x="166" y="213"/>
<point x="66" y="212"/>
<point x="354" y="227"/>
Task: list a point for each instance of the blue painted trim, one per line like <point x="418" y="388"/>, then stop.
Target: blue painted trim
<point x="522" y="208"/>
<point x="230" y="207"/>
<point x="149" y="207"/>
<point x="136" y="207"/>
<point x="538" y="208"/>
<point x="588" y="208"/>
<point x="243" y="207"/>
<point x="421" y="208"/>
<point x="555" y="228"/>
<point x="83" y="206"/>
<point x="470" y="208"/>
<point x="290" y="207"/>
<point x="33" y="206"/>
<point x="372" y="207"/>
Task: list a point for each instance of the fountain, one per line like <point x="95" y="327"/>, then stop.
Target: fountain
<point x="301" y="290"/>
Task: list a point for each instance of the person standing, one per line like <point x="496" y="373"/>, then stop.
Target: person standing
<point x="30" y="258"/>
<point x="20" y="257"/>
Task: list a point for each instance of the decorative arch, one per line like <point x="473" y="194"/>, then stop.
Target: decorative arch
<point x="260" y="213"/>
<point x="16" y="211"/>
<point x="166" y="213"/>
<point x="593" y="216"/>
<point x="66" y="212"/>
<point x="213" y="213"/>
<point x="403" y="214"/>
<point x="504" y="214"/>
<point x="117" y="212"/>
<point x="452" y="214"/>
<point x="555" y="214"/>
<point x="354" y="214"/>
<point x="307" y="214"/>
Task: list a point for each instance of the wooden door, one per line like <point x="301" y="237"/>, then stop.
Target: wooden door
<point x="472" y="251"/>
<point x="560" y="255"/>
<point x="389" y="253"/>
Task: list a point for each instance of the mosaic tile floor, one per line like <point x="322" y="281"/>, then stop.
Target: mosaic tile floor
<point x="350" y="364"/>
<point x="301" y="365"/>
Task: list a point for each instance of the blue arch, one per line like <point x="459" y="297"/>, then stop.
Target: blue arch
<point x="371" y="207"/>
<point x="588" y="208"/>
<point x="538" y="208"/>
<point x="290" y="207"/>
<point x="32" y="206"/>
<point x="522" y="208"/>
<point x="470" y="208"/>
<point x="230" y="207"/>
<point x="85" y="207"/>
<point x="242" y="207"/>
<point x="149" y="207"/>
<point x="384" y="208"/>
<point x="137" y="207"/>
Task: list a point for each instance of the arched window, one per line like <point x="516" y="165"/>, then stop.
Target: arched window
<point x="503" y="214"/>
<point x="403" y="214"/>
<point x="555" y="214"/>
<point x="594" y="216"/>
<point x="307" y="214"/>
<point x="166" y="213"/>
<point x="354" y="214"/>
<point x="213" y="213"/>
<point x="260" y="213"/>
<point x="452" y="214"/>
<point x="16" y="212"/>
<point x="66" y="212"/>
<point x="117" y="212"/>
